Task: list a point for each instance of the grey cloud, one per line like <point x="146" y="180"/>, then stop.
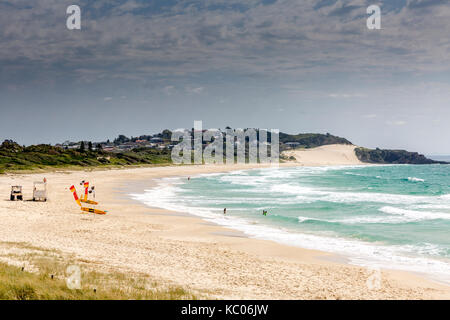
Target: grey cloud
<point x="324" y="3"/>
<point x="398" y="50"/>
<point x="420" y="4"/>
<point x="343" y="10"/>
<point x="196" y="40"/>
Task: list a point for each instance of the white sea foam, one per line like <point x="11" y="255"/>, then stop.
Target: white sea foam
<point x="352" y="197"/>
<point x="244" y="180"/>
<point x="413" y="215"/>
<point x="295" y="190"/>
<point x="348" y="197"/>
<point x="431" y="206"/>
<point x="303" y="219"/>
<point x="445" y="197"/>
<point x="414" y="179"/>
<point x="382" y="219"/>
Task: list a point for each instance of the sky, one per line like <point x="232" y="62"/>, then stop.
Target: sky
<point x="138" y="66"/>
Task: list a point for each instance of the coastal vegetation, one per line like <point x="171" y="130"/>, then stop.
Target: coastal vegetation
<point x="392" y="157"/>
<point x="310" y="140"/>
<point x="14" y="157"/>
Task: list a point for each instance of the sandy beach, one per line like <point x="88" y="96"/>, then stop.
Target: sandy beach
<point x="179" y="249"/>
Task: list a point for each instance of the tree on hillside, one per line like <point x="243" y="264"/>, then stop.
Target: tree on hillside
<point x="121" y="139"/>
<point x="82" y="147"/>
<point x="166" y="134"/>
<point x="90" y="146"/>
<point x="11" y="145"/>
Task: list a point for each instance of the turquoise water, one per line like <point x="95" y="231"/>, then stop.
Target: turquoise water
<point x="395" y="216"/>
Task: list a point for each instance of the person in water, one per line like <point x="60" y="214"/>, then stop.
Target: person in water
<point x="224" y="210"/>
<point x="264" y="212"/>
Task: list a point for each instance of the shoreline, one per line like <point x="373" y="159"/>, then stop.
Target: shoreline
<point x="183" y="250"/>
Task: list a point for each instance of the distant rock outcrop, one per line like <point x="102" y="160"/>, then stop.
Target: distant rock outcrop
<point x="393" y="157"/>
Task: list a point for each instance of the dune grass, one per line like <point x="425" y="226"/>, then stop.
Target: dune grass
<point x="49" y="283"/>
<point x="16" y="158"/>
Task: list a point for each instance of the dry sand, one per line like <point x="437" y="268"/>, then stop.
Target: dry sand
<point x="325" y="155"/>
<point x="179" y="249"/>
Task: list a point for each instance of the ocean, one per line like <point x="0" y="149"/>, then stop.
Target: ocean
<point x="388" y="216"/>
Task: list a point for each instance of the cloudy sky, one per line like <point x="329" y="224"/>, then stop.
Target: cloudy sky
<point x="139" y="66"/>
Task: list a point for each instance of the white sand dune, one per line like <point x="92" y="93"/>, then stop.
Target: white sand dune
<point x="336" y="154"/>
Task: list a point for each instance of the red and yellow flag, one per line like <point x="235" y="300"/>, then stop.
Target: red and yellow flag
<point x="75" y="196"/>
<point x="86" y="190"/>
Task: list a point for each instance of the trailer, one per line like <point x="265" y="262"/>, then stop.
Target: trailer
<point x="39" y="191"/>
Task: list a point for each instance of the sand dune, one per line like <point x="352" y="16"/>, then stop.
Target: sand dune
<point x="336" y="154"/>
